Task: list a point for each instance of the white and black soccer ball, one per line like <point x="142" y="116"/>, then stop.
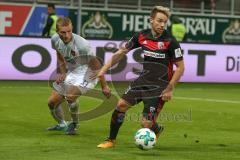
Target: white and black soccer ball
<point x="145" y="139"/>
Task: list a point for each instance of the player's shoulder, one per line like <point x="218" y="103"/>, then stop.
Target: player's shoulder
<point x="55" y="37"/>
<point x="169" y="37"/>
<point x="80" y="40"/>
<point x="82" y="45"/>
<point x="167" y="34"/>
<point x="144" y="32"/>
<point x="55" y="40"/>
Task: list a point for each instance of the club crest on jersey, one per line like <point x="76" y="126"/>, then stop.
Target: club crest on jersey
<point x="160" y="45"/>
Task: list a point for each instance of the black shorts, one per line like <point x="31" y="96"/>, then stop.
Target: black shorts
<point x="147" y="91"/>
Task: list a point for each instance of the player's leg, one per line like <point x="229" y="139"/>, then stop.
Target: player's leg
<point x="152" y="108"/>
<point x="157" y="128"/>
<point x="117" y="119"/>
<point x="54" y="104"/>
<point x="73" y="93"/>
<point x="129" y="98"/>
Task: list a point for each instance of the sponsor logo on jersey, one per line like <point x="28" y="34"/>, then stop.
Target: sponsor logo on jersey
<point x="153" y="54"/>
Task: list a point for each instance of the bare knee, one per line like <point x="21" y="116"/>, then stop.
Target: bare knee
<point x="72" y="94"/>
<point x="71" y="99"/>
<point x="122" y="106"/>
<point x="52" y="103"/>
<point x="54" y="100"/>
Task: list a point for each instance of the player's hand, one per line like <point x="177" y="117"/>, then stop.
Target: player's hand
<point x="106" y="91"/>
<point x="61" y="78"/>
<point x="167" y="93"/>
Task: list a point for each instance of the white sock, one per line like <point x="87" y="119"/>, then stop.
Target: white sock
<point x="57" y="114"/>
<point x="74" y="111"/>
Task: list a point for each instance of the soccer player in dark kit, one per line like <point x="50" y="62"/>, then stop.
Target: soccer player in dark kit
<point x="156" y="82"/>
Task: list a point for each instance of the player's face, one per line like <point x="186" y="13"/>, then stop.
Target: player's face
<point x="159" y="23"/>
<point x="65" y="33"/>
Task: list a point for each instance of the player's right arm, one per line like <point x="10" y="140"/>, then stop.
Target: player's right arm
<point x="114" y="60"/>
<point x="61" y="68"/>
<point x="117" y="56"/>
<point x="61" y="65"/>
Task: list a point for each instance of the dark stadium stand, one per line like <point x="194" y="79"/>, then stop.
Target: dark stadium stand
<point x="196" y="6"/>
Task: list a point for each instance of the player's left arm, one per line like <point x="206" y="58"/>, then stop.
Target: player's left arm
<point x="168" y="92"/>
<point x="177" y="57"/>
<point x="95" y="65"/>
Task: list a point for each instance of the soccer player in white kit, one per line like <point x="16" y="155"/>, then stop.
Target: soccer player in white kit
<point x="76" y="64"/>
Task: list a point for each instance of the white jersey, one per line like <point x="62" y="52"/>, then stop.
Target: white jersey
<point x="76" y="54"/>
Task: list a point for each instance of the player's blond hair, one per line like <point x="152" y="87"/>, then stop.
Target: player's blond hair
<point x="63" y="21"/>
<point x="160" y="9"/>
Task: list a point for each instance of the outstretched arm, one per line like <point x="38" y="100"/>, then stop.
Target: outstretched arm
<point x="114" y="60"/>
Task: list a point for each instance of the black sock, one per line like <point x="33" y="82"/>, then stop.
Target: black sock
<point x="156" y="128"/>
<point x="116" y="122"/>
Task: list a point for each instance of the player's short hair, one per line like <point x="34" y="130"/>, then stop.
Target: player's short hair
<point x="160" y="9"/>
<point x="63" y="21"/>
<point x="51" y="5"/>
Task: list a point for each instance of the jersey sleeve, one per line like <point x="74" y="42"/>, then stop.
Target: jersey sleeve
<point x="53" y="41"/>
<point x="175" y="51"/>
<point x="85" y="48"/>
<point x="133" y="42"/>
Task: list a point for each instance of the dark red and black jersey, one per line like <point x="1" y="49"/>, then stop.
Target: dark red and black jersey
<point x="159" y="54"/>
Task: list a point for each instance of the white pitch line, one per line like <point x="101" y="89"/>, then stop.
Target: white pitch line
<point x="23" y="87"/>
<point x="181" y="98"/>
<point x="208" y="100"/>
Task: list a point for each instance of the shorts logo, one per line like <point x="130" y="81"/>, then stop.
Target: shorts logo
<point x="152" y="109"/>
<point x="178" y="53"/>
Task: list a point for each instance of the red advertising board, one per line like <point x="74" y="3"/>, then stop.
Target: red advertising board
<point x="12" y="18"/>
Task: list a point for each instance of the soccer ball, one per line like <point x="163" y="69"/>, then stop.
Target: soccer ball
<point x="145" y="139"/>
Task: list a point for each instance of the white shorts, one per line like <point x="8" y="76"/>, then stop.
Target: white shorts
<point x="79" y="77"/>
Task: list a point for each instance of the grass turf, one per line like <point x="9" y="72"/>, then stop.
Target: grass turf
<point x="201" y="123"/>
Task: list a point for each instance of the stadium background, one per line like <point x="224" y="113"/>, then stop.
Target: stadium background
<point x="201" y="121"/>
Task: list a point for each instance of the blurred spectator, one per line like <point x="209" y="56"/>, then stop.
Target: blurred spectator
<point x="50" y="26"/>
<point x="213" y="6"/>
<point x="235" y="27"/>
<point x="178" y="30"/>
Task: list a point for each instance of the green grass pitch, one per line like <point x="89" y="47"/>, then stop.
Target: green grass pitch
<point x="201" y="123"/>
